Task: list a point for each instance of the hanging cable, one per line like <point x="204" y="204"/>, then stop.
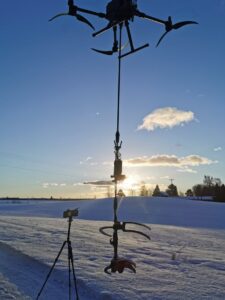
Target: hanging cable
<point x="119" y="79"/>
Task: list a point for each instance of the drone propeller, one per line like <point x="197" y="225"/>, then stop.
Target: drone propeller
<point x="84" y="20"/>
<point x="169" y="26"/>
<point x="59" y="15"/>
<point x="73" y="12"/>
<point x="109" y="52"/>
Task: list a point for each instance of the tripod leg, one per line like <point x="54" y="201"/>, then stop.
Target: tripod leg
<point x="73" y="269"/>
<point x="49" y="273"/>
<point x="69" y="267"/>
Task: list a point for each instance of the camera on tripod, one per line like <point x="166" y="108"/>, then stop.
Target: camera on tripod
<point x="69" y="213"/>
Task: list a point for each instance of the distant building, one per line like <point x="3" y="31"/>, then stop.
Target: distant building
<point x="163" y="194"/>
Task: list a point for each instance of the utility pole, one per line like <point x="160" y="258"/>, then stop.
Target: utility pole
<point x="171" y="180"/>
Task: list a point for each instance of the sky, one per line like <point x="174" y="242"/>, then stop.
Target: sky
<point x="58" y="99"/>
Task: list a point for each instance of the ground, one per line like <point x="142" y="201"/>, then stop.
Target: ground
<point x="184" y="260"/>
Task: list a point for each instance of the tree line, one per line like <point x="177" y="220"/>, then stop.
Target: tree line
<point x="171" y="191"/>
<point x="211" y="187"/>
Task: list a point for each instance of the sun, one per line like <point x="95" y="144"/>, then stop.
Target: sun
<point x="131" y="182"/>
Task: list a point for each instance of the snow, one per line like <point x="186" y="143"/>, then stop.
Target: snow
<point x="184" y="260"/>
<point x="153" y="210"/>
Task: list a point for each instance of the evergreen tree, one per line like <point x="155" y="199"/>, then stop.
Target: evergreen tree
<point x="121" y="193"/>
<point x="172" y="190"/>
<point x="222" y="188"/>
<point x="189" y="193"/>
<point x="197" y="189"/>
<point x="219" y="193"/>
<point x="143" y="191"/>
<point x="156" y="191"/>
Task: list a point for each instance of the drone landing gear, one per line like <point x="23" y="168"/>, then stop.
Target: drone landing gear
<point x="133" y="49"/>
<point x="115" y="47"/>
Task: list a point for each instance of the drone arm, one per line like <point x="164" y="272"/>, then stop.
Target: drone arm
<point x="143" y="15"/>
<point x="90" y="12"/>
<point x="87" y="11"/>
<point x="110" y="25"/>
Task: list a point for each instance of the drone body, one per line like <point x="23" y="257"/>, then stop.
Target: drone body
<point x="119" y="13"/>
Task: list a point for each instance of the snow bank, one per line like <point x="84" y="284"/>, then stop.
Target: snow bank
<point x="166" y="211"/>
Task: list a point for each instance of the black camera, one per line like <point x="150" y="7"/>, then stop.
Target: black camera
<point x="69" y="213"/>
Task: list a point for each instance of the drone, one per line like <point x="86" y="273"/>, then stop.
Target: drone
<point x="120" y="13"/>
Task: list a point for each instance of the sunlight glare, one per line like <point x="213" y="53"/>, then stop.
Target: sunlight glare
<point x="130" y="183"/>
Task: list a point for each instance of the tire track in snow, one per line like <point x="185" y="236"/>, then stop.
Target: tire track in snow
<point x="26" y="275"/>
<point x="9" y="291"/>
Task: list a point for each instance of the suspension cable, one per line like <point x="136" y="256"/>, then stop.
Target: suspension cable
<point x="119" y="78"/>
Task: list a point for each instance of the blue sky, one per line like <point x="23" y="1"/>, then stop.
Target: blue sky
<point x="58" y="99"/>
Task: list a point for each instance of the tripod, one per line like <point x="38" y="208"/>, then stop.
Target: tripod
<point x="70" y="263"/>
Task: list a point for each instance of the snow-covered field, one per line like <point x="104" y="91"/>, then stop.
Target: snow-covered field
<point x="184" y="260"/>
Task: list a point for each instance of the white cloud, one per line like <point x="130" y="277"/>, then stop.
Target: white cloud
<point x="78" y="184"/>
<point x="88" y="161"/>
<point x="165" y="177"/>
<point x="165" y="160"/>
<point x="155" y="160"/>
<point x="150" y="178"/>
<point x="187" y="170"/>
<point x="218" y="149"/>
<point x="88" y="158"/>
<point x="46" y="185"/>
<point x="166" y="117"/>
<point x="107" y="163"/>
<point x="195" y="160"/>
